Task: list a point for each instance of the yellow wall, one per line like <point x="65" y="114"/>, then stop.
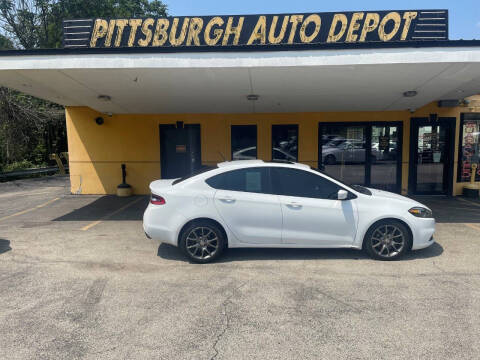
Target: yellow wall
<point x="96" y="152"/>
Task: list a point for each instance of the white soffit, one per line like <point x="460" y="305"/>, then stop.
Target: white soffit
<point x="289" y="81"/>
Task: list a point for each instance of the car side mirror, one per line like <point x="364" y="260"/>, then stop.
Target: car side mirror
<point x="342" y="195"/>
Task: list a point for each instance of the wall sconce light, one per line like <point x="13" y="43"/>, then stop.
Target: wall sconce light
<point x="411" y="93"/>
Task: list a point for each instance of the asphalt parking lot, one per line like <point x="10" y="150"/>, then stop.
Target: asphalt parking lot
<point x="78" y="279"/>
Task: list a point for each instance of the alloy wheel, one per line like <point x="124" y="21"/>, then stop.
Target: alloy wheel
<point x="202" y="243"/>
<point x="388" y="241"/>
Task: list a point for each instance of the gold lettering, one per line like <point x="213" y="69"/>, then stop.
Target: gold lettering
<point x="174" y="40"/>
<point x="121" y="23"/>
<point x="272" y="39"/>
<point x="371" y="22"/>
<point x="393" y="16"/>
<point x="231" y="30"/>
<point x="354" y="27"/>
<point x="295" y="20"/>
<point x="160" y="37"/>
<point x="314" y="18"/>
<point x="216" y="21"/>
<point x="147" y="31"/>
<point x="99" y="31"/>
<point x="134" y="24"/>
<point x="196" y="25"/>
<point x="332" y="37"/>
<point x="111" y="29"/>
<point x="408" y="16"/>
<point x="259" y="32"/>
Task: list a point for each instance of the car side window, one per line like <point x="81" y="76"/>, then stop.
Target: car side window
<point x="299" y="183"/>
<point x="252" y="180"/>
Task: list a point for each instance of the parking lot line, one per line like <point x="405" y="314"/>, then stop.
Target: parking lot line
<point x="473" y="226"/>
<point x="468" y="201"/>
<point x="92" y="224"/>
<point x="29" y="210"/>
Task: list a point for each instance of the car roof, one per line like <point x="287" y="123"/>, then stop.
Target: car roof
<point x="248" y="163"/>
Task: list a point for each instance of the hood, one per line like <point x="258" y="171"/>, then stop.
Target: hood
<point x="392" y="196"/>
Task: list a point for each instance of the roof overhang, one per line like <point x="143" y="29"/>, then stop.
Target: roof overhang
<point x="219" y="82"/>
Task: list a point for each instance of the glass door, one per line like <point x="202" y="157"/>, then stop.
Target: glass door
<point x="386" y="155"/>
<point x="431" y="164"/>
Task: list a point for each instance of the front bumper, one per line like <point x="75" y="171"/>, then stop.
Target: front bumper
<point x="423" y="233"/>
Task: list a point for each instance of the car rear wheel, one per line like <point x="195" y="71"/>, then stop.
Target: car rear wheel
<point x="330" y="160"/>
<point x="387" y="240"/>
<point x="202" y="242"/>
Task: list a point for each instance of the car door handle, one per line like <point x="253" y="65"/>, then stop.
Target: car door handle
<point x="227" y="199"/>
<point x="294" y="205"/>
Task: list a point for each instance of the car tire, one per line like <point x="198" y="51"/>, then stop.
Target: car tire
<point x="202" y="242"/>
<point x="387" y="240"/>
<point x="330" y="160"/>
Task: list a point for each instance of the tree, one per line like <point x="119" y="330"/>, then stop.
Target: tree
<point x="38" y="23"/>
<point x="30" y="128"/>
<point x="5" y="43"/>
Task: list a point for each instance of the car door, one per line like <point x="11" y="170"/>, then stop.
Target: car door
<point x="312" y="216"/>
<point x="245" y="203"/>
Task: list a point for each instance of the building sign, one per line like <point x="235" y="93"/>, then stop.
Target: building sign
<point x="256" y="31"/>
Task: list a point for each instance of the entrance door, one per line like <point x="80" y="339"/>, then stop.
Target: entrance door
<point x="180" y="150"/>
<point x="431" y="156"/>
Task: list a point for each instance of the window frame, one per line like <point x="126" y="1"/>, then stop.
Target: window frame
<point x="368" y="125"/>
<point x="268" y="183"/>
<point x="351" y="195"/>
<point x="272" y="140"/>
<point x="231" y="137"/>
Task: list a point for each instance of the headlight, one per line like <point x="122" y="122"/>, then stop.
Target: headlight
<point x="421" y="212"/>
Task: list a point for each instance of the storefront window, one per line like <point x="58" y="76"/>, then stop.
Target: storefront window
<point x="343" y="152"/>
<point x="362" y="153"/>
<point x="285" y="142"/>
<point x="469" y="152"/>
<point x="244" y="142"/>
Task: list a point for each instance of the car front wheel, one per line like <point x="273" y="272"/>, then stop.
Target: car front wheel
<point x="387" y="240"/>
<point x="202" y="242"/>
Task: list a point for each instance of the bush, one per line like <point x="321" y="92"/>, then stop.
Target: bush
<point x="19" y="165"/>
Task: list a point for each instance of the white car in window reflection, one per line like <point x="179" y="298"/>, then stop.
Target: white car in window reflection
<point x="250" y="153"/>
<point x="340" y="151"/>
<point x="259" y="204"/>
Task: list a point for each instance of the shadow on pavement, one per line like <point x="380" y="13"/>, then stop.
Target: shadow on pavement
<point x="109" y="206"/>
<point x="4" y="246"/>
<point x="170" y="252"/>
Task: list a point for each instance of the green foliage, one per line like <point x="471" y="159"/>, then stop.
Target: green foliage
<point x="38" y="23"/>
<point x="5" y="43"/>
<point x="30" y="128"/>
<point x="20" y="165"/>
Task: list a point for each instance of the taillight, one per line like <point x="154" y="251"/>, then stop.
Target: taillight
<point x="157" y="200"/>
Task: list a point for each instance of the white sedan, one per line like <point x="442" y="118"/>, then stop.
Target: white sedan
<point x="253" y="203"/>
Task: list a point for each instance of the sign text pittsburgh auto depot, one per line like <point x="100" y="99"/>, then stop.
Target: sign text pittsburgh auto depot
<point x="257" y="30"/>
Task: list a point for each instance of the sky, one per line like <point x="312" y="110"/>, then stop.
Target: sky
<point x="464" y="15"/>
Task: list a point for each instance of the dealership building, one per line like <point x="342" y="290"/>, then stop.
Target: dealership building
<point x="382" y="99"/>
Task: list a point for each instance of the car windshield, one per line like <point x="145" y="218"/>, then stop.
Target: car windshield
<point x="202" y="170"/>
<point x="359" y="188"/>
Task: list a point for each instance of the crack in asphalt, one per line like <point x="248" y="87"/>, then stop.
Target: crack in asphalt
<point x="227" y="319"/>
